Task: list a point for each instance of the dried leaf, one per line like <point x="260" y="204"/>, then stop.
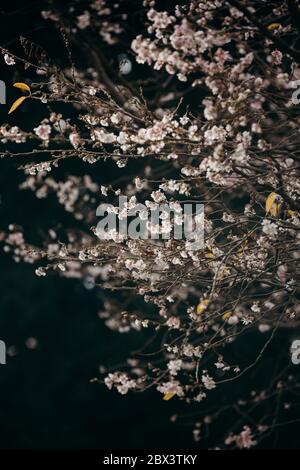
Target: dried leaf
<point x="226" y="315"/>
<point x="209" y="253"/>
<point x="270" y="201"/>
<point x="275" y="209"/>
<point x="168" y="396"/>
<point x="202" y="306"/>
<point x="16" y="104"/>
<point x="22" y="86"/>
<point x="273" y="26"/>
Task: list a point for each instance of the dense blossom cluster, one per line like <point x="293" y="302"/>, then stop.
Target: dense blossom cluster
<point x="236" y="151"/>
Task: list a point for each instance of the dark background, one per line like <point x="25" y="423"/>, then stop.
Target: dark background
<point x="46" y="398"/>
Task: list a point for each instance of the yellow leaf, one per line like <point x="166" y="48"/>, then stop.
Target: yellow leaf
<point x="273" y="26"/>
<point x="270" y="201"/>
<point x="273" y="204"/>
<point x="291" y="213"/>
<point x="22" y="86"/>
<point x="17" y="103"/>
<point x="275" y="209"/>
<point x="226" y="315"/>
<point x="209" y="254"/>
<point x="202" y="306"/>
<point x="168" y="396"/>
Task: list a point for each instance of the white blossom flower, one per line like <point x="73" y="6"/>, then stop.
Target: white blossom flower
<point x="9" y="60"/>
<point x="83" y="21"/>
<point x="75" y="140"/>
<point x="208" y="382"/>
<point x="173" y="323"/>
<point x="40" y="272"/>
<point x="43" y="131"/>
<point x="174" y="366"/>
<point x="201" y="396"/>
<point x="269" y="228"/>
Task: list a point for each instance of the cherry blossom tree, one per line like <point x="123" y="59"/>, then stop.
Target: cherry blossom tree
<point x="186" y="103"/>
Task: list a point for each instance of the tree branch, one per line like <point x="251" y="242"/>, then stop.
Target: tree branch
<point x="282" y="45"/>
